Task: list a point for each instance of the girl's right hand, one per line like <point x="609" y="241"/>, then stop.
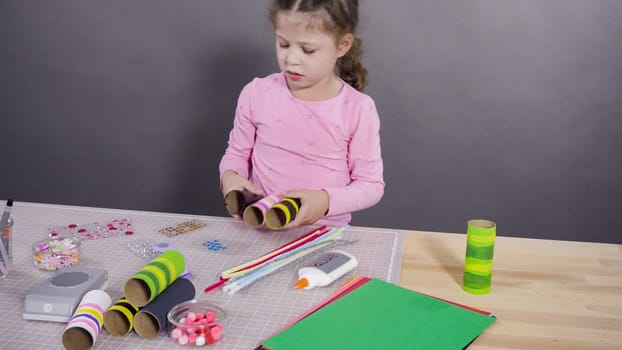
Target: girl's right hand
<point x="230" y="181"/>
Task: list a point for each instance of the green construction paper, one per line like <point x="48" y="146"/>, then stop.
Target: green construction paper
<point x="381" y="315"/>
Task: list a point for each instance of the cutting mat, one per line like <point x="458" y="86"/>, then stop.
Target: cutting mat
<point x="253" y="313"/>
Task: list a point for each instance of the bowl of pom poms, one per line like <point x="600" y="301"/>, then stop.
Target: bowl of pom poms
<point x="196" y="323"/>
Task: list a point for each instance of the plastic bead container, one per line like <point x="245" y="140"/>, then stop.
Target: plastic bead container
<point x="56" y="253"/>
<point x="196" y="323"/>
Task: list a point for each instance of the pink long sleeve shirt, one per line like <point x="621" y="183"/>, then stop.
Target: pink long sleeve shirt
<point x="282" y="143"/>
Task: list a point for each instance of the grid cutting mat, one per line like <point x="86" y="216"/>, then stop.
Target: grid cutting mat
<point x="253" y="313"/>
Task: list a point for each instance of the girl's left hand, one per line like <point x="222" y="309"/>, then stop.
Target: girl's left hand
<point x="313" y="206"/>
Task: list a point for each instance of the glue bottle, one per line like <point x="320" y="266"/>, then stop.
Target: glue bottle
<point x="326" y="269"/>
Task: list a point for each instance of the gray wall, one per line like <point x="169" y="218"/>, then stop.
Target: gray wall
<point x="508" y="110"/>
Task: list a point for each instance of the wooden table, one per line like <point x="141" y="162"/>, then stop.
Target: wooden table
<point x="546" y="294"/>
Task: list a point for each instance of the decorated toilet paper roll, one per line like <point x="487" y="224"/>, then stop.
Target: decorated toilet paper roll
<point x="86" y="323"/>
<point x="479" y="253"/>
<point x="254" y="214"/>
<point x="236" y="201"/>
<point x="154" y="278"/>
<point x="151" y="319"/>
<point x="119" y="318"/>
<point x="282" y="213"/>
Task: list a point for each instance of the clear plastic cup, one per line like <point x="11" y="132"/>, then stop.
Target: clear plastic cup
<point x="6" y="250"/>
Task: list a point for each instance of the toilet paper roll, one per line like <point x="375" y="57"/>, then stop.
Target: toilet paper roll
<point x="119" y="318"/>
<point x="154" y="278"/>
<point x="151" y="319"/>
<point x="86" y="322"/>
<point x="254" y="215"/>
<point x="477" y="276"/>
<point x="282" y="213"/>
<point x="236" y="201"/>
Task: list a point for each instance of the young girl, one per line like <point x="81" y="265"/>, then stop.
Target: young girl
<point x="305" y="131"/>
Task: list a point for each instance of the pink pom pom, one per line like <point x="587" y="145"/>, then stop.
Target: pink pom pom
<point x="210" y="316"/>
<point x="176" y="333"/>
<point x="216" y="332"/>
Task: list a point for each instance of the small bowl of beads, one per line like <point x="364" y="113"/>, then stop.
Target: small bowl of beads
<point x="56" y="253"/>
<point x="196" y="323"/>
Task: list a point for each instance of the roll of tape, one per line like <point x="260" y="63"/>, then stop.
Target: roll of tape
<point x="477" y="276"/>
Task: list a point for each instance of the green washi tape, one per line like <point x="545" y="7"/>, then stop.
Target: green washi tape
<point x="479" y="253"/>
<point x="153" y="279"/>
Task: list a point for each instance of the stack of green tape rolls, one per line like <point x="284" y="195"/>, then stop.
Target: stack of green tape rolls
<point x="479" y="252"/>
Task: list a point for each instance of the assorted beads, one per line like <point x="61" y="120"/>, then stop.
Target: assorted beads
<point x="94" y="230"/>
<point x="197" y="329"/>
<point x="56" y="253"/>
<point x="183" y="227"/>
<point x="145" y="249"/>
<point x="214" y="245"/>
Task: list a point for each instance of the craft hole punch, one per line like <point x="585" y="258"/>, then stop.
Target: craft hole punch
<point x="56" y="298"/>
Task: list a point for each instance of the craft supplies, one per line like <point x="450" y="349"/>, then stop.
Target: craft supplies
<point x="6" y="226"/>
<point x="325" y="270"/>
<point x="236" y="284"/>
<point x="282" y="213"/>
<point x="181" y="228"/>
<point x="144" y="248"/>
<point x="56" y="298"/>
<point x="369" y="313"/>
<point x="243" y="275"/>
<point x="95" y="230"/>
<point x="214" y="245"/>
<point x="149" y="250"/>
<point x="254" y="215"/>
<point x="154" y="278"/>
<point x="236" y="201"/>
<point x="86" y="323"/>
<point x="152" y="319"/>
<point x="275" y="210"/>
<point x="56" y="253"/>
<point x="196" y="323"/>
<point x="6" y="246"/>
<point x="119" y="318"/>
<point x="477" y="275"/>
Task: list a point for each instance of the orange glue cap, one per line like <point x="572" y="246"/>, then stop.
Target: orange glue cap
<point x="303" y="282"/>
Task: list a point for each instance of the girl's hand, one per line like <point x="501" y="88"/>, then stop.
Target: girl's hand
<point x="230" y="181"/>
<point x="313" y="206"/>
